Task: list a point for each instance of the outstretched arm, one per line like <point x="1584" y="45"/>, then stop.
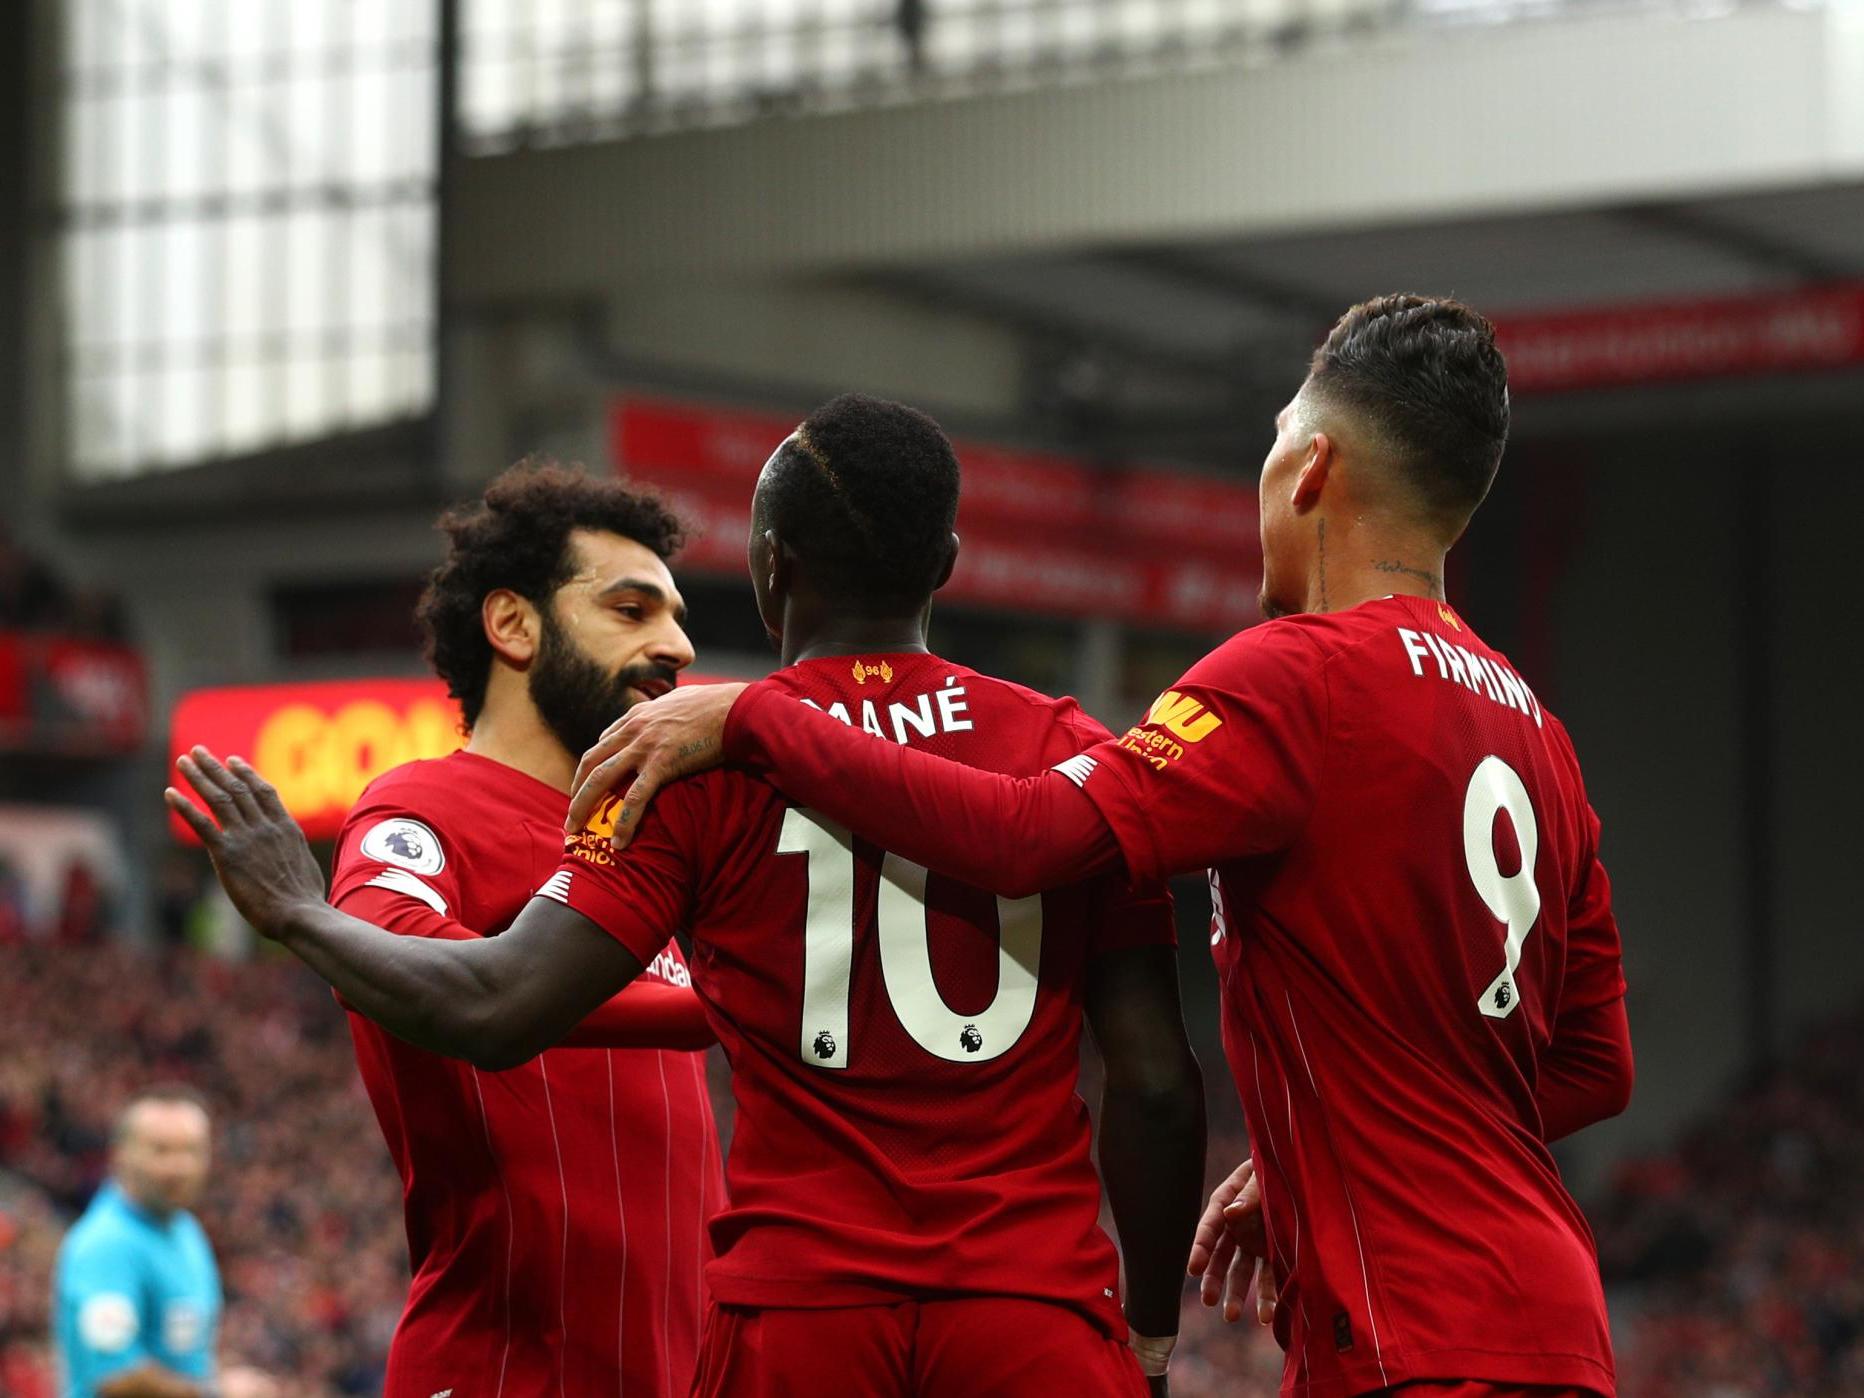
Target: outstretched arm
<point x="1015" y="836"/>
<point x="647" y="1014"/>
<point x="1224" y="766"/>
<point x="496" y="1001"/>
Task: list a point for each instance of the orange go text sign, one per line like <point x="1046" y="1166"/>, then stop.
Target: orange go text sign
<point x="320" y="742"/>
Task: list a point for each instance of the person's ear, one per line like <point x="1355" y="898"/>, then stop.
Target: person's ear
<point x="951" y="561"/>
<point x="512" y="626"/>
<point x="782" y="565"/>
<point x="1311" y="480"/>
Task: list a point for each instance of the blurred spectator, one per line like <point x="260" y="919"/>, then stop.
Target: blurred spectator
<point x="305" y="1213"/>
<point x="136" y="1297"/>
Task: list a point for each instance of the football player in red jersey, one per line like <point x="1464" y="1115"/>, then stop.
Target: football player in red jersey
<point x="556" y="1210"/>
<point x="1419" y="961"/>
<point x="914" y="1210"/>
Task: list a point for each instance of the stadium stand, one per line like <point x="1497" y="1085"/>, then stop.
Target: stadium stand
<point x="302" y="1205"/>
<point x="1735" y="1256"/>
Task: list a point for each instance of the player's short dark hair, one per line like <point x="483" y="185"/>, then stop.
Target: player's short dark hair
<point x="1425" y="374"/>
<point x="866" y="493"/>
<point x="516" y="536"/>
<point x="159" y="1092"/>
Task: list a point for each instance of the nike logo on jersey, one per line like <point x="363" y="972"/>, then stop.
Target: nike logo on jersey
<point x="1477" y="673"/>
<point x="399" y="881"/>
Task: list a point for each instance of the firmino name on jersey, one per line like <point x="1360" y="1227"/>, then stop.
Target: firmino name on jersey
<point x="943" y="710"/>
<point x="1475" y="672"/>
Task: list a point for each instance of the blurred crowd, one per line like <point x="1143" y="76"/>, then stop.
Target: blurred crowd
<point x="1735" y="1260"/>
<point x="35" y="598"/>
<point x="302" y="1206"/>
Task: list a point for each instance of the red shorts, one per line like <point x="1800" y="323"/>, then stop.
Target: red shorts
<point x="974" y="1347"/>
<point x="1469" y="1388"/>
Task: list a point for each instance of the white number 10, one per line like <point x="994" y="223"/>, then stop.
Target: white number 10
<point x="905" y="955"/>
<point x="1513" y="898"/>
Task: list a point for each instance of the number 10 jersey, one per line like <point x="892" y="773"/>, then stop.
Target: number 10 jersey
<point x="904" y="1049"/>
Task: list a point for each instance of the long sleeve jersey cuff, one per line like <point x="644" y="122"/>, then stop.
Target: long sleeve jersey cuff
<point x="1587" y="1072"/>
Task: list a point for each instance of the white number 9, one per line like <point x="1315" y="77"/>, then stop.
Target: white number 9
<point x="1513" y="898"/>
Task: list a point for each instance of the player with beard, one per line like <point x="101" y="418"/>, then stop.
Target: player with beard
<point x="914" y="1209"/>
<point x="555" y="1209"/>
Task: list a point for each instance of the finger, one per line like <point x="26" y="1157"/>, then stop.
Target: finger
<point x="207" y="785"/>
<point x="1236" y="1280"/>
<point x="1209" y="1230"/>
<point x="601" y="782"/>
<point x="1210" y="1290"/>
<point x="236" y="790"/>
<point x="1268" y="1294"/>
<point x="605" y="747"/>
<point x="264" y="794"/>
<point x="195" y="817"/>
<point x="628" y="818"/>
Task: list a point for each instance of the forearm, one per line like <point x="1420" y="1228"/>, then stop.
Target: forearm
<point x="646" y="1015"/>
<point x="441" y="995"/>
<point x="1587" y="1072"/>
<point x="1152" y="1163"/>
<point x="1012" y="835"/>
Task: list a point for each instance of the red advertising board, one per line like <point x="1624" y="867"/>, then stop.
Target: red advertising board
<point x="1815" y="328"/>
<point x="68" y="694"/>
<point x="319" y="743"/>
<point x="1041" y="532"/>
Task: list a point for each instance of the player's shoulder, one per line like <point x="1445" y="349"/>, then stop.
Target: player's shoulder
<point x="415" y="814"/>
<point x="452" y="795"/>
<point x="1291" y="645"/>
<point x="1061" y="713"/>
<point x="424" y="786"/>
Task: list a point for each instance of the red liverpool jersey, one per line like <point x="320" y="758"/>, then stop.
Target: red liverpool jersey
<point x="904" y="1049"/>
<point x="555" y="1211"/>
<point x="1407" y="898"/>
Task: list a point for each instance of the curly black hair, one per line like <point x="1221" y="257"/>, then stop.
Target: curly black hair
<point x="516" y="536"/>
<point x="1425" y="373"/>
<point x="866" y="493"/>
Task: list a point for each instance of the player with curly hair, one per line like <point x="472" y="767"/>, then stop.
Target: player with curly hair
<point x="555" y="1207"/>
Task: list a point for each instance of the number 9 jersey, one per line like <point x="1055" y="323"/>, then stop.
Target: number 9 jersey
<point x="904" y="1049"/>
<point x="1409" y="917"/>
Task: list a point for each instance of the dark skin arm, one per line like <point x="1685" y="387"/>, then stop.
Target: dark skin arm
<point x="496" y="1001"/>
<point x="1151" y="1125"/>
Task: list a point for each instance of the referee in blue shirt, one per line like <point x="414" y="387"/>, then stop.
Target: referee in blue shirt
<point x="136" y="1294"/>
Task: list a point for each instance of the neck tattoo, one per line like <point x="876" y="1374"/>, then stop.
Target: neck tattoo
<point x="1323" y="566"/>
<point x="1423" y="575"/>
